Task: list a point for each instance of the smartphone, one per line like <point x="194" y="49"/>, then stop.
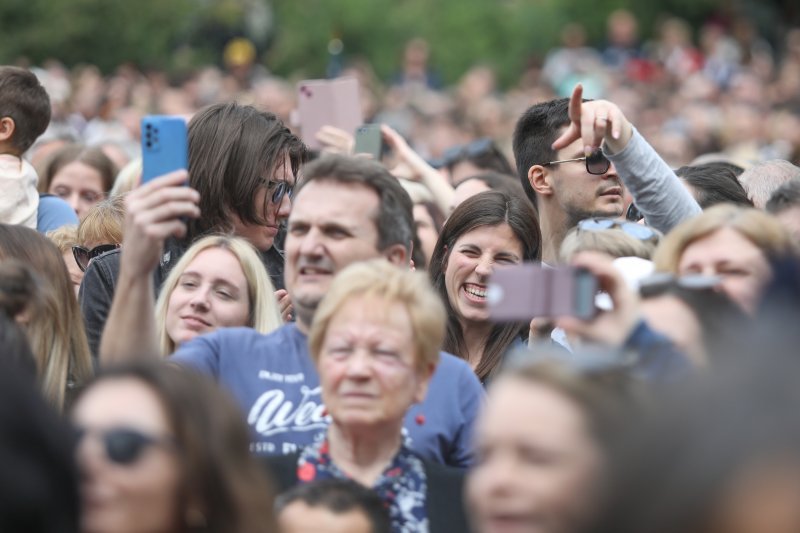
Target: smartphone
<point x="529" y="290"/>
<point x="164" y="146"/>
<point x="369" y="140"/>
<point x="327" y="103"/>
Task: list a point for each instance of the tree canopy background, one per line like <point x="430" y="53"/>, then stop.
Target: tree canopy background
<point x="292" y="36"/>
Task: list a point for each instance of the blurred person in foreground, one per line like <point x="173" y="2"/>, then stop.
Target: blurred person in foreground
<point x="784" y="204"/>
<point x="375" y="342"/>
<point x="331" y="505"/>
<point x="543" y="439"/>
<point x="177" y="462"/>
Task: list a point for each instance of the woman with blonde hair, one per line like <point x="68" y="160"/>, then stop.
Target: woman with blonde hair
<point x="738" y="244"/>
<point x="54" y="326"/>
<point x="375" y="342"/>
<point x="100" y="231"/>
<point x="219" y="282"/>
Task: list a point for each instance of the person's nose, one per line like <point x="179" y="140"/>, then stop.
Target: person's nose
<point x="499" y="474"/>
<point x="74" y="201"/>
<point x="611" y="173"/>
<point x="284" y="208"/>
<point x="311" y="243"/>
<point x="358" y="364"/>
<point x="200" y="299"/>
<point x="485" y="266"/>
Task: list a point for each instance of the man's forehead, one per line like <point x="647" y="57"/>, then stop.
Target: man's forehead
<point x="336" y="199"/>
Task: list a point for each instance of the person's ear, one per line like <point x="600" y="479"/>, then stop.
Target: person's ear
<point x="540" y="180"/>
<point x="397" y="254"/>
<point x="7" y="128"/>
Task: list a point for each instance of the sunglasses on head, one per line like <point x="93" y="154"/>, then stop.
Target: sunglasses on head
<point x="279" y="188"/>
<point x="637" y="231"/>
<point x="596" y="162"/>
<point x="83" y="256"/>
<point x="454" y="154"/>
<point x="124" y="446"/>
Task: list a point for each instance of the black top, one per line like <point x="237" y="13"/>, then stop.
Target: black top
<point x="443" y="499"/>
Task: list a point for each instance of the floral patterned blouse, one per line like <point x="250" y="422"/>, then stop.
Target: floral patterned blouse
<point x="402" y="486"/>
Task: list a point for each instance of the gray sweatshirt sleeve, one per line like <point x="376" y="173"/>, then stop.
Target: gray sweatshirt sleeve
<point x="657" y="191"/>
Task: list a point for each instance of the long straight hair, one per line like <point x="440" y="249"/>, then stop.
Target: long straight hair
<point x="490" y="208"/>
<point x="55" y="327"/>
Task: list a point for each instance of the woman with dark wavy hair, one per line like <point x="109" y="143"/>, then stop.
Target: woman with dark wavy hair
<point x="489" y="229"/>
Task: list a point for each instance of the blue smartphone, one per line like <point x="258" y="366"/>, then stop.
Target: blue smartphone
<point x="164" y="146"/>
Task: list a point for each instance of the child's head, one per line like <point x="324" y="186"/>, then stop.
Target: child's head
<point x="24" y="109"/>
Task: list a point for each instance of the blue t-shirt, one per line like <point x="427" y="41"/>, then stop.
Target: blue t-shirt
<point x="275" y="382"/>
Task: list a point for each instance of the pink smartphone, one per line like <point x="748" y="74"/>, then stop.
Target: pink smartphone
<point x="327" y="103"/>
<point x="529" y="290"/>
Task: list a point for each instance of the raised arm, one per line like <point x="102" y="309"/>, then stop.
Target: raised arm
<point x="152" y="213"/>
<point x="420" y="170"/>
<point x="657" y="192"/>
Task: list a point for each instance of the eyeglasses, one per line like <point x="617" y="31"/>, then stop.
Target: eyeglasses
<point x="637" y="231"/>
<point x="596" y="162"/>
<point x="661" y="282"/>
<point x="279" y="188"/>
<point x="83" y="256"/>
<point x="124" y="446"/>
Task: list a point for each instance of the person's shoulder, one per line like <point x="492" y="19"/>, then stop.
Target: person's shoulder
<point x="54" y="213"/>
<point x="252" y="339"/>
<point x="453" y="365"/>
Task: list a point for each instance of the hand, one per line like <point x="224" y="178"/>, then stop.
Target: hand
<point x="153" y="212"/>
<point x="284" y="304"/>
<point x="594" y="122"/>
<point x="409" y="164"/>
<point x="335" y="140"/>
<point x="607" y="327"/>
<point x="540" y="330"/>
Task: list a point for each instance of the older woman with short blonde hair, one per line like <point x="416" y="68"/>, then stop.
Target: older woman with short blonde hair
<point x="375" y="341"/>
<point x="738" y="244"/>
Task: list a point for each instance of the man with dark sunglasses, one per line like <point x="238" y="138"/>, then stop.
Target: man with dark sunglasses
<point x="575" y="158"/>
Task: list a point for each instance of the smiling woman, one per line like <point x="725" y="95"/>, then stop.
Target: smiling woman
<point x="487" y="230"/>
<point x="219" y="282"/>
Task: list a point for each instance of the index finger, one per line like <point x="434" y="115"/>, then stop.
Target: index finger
<point x="575" y="104"/>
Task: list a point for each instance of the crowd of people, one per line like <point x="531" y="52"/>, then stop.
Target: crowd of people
<point x="280" y="339"/>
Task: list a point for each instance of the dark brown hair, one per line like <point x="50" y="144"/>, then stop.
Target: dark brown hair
<point x="233" y="151"/>
<point x="90" y="156"/>
<point x="220" y="478"/>
<point x="490" y="208"/>
<point x="25" y="101"/>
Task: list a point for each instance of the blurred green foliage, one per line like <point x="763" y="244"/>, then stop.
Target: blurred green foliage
<point x="292" y="36"/>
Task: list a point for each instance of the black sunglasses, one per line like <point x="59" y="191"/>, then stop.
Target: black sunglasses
<point x="83" y="256"/>
<point x="637" y="231"/>
<point x="596" y="162"/>
<point x="279" y="188"/>
<point x="633" y="214"/>
<point x="124" y="446"/>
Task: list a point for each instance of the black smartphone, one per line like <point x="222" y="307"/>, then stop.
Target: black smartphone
<point x="369" y="140"/>
<point x="529" y="290"/>
<point x="164" y="146"/>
